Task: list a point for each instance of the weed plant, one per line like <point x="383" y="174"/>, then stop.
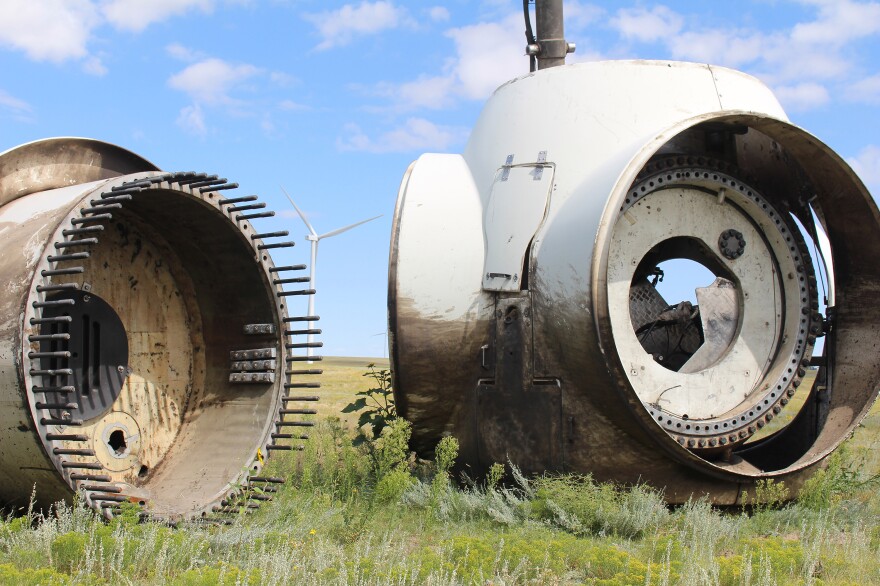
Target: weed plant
<point x="370" y="514"/>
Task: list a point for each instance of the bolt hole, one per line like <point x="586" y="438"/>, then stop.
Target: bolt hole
<point x="142" y="473"/>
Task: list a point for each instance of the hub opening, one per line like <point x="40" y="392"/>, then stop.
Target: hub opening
<point x="682" y="299"/>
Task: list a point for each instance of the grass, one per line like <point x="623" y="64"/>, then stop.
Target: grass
<point x="342" y="378"/>
<point x="346" y="518"/>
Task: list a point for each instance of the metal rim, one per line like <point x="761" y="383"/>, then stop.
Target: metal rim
<point x="70" y="245"/>
<point x="737" y="425"/>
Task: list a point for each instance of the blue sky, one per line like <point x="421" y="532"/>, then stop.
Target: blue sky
<point x="334" y="99"/>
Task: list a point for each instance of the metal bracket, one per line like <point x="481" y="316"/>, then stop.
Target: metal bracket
<point x="539" y="169"/>
<point x="508" y="163"/>
<point x="259" y="329"/>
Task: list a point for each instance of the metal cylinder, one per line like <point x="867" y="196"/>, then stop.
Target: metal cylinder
<point x="526" y="316"/>
<point x="142" y="339"/>
<point x="550" y="34"/>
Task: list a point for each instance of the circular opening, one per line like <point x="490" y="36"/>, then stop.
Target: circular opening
<point x="681" y="277"/>
<point x="667" y="290"/>
<point x="712" y="340"/>
<point x="117" y="442"/>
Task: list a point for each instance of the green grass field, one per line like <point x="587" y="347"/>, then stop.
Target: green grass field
<point x="342" y="378"/>
<point x="363" y="515"/>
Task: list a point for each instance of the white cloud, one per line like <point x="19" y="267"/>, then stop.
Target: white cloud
<point x="416" y="134"/>
<point x="211" y="81"/>
<point x="807" y="52"/>
<point x="192" y="120"/>
<point x="291" y="106"/>
<point x="802" y="96"/>
<point x="49" y="30"/>
<point x="578" y="16"/>
<point x="12" y="103"/>
<point x="425" y="92"/>
<point x="584" y="55"/>
<point x="60" y="30"/>
<point x="183" y="53"/>
<point x="94" y="66"/>
<point x="486" y="55"/>
<point x="136" y="15"/>
<point x="438" y="13"/>
<point x="732" y="48"/>
<point x="647" y="26"/>
<point x="867" y="165"/>
<point x="281" y="78"/>
<point x="339" y="27"/>
<point x="865" y="90"/>
<point x="839" y="22"/>
<point x="19" y="109"/>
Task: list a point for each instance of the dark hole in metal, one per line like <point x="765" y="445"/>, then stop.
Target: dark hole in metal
<point x="98" y="347"/>
<point x="117" y="442"/>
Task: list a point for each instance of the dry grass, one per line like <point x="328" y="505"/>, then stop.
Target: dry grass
<point x="337" y="521"/>
<point x="331" y="524"/>
<point x="342" y="378"/>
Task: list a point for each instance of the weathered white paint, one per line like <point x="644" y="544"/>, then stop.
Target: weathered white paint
<point x="517" y="205"/>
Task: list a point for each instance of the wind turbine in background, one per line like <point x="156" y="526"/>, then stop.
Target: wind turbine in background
<point x="385" y="347"/>
<point x="314" y="238"/>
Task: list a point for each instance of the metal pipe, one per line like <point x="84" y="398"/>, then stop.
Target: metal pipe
<point x="550" y="35"/>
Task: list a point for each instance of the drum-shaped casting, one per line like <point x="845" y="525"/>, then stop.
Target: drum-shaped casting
<point x="143" y="340"/>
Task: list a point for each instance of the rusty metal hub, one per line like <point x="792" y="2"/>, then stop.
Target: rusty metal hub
<point x="145" y="329"/>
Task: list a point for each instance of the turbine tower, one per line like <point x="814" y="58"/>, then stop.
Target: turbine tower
<point x="314" y="238"/>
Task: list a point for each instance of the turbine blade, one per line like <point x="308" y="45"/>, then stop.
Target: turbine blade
<point x="299" y="211"/>
<point x="345" y="229"/>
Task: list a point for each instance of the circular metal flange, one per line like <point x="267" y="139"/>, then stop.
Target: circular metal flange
<point x="91" y="456"/>
<point x="723" y="402"/>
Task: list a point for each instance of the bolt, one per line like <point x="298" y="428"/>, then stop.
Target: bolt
<point x="120" y="369"/>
